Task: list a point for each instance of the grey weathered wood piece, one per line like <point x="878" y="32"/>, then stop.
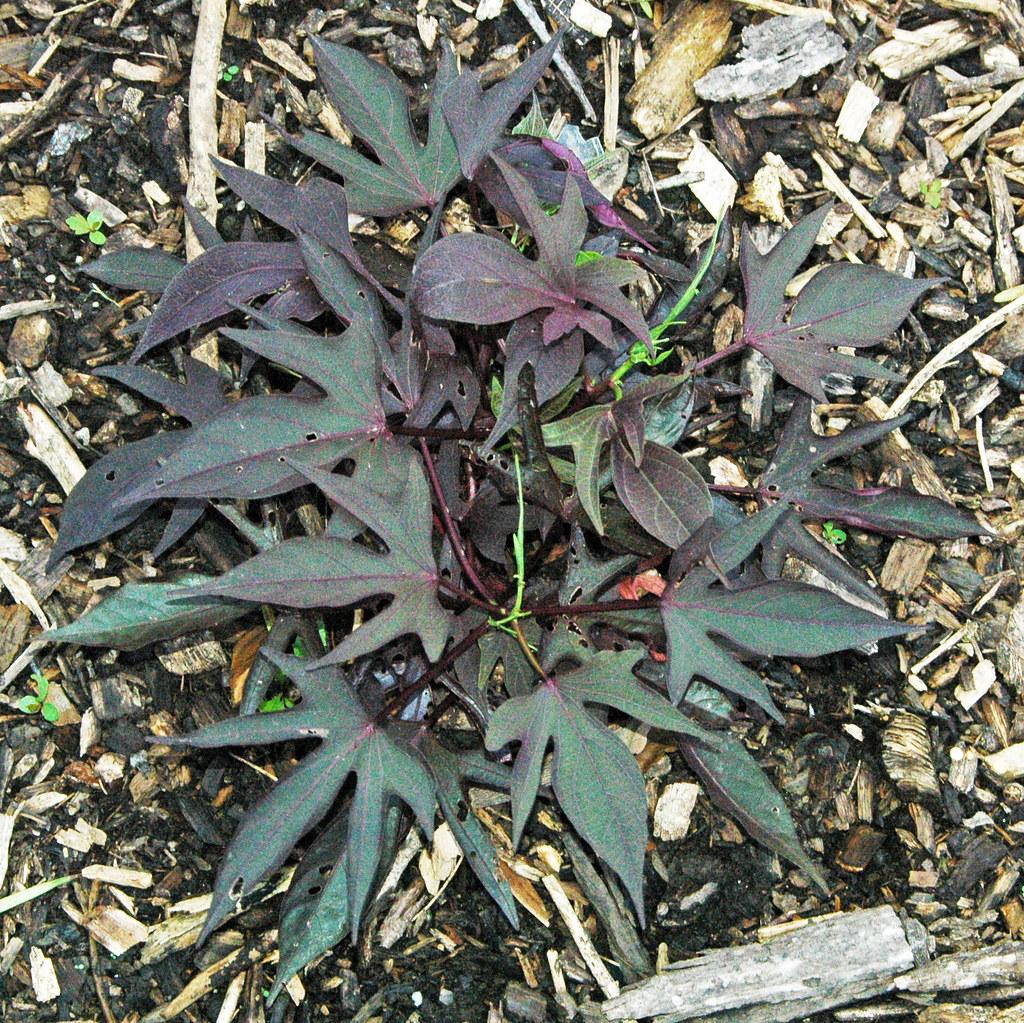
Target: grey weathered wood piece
<point x="835" y="958"/>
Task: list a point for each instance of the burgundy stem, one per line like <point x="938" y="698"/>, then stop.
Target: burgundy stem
<point x="584" y="609"/>
<point x="451" y="528"/>
<point x="725" y="353"/>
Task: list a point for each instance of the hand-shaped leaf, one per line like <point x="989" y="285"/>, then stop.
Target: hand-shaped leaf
<point x="772" y="618"/>
<point x="739" y="787"/>
<point x="93" y="509"/>
<point x="352" y="743"/>
<point x="892" y="510"/>
<point x="478" y="118"/>
<point x="331" y="571"/>
<point x="846" y="304"/>
<point x="474" y="278"/>
<point x="248" y="450"/>
<point x="215" y="282"/>
<point x="372" y="102"/>
<point x="595" y="778"/>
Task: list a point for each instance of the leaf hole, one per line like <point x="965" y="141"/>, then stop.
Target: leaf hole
<point x="111" y="476"/>
<point x="576" y="594"/>
<point x="237" y="887"/>
<point x="360" y="293"/>
<point x="463" y="810"/>
<point x="325" y="869"/>
<point x="772" y="488"/>
<point x="461" y="388"/>
<point x="159" y="483"/>
<point x="239" y="469"/>
<point x="312" y="435"/>
<point x="316" y="889"/>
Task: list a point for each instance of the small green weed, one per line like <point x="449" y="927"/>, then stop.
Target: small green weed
<point x="91" y="225"/>
<point x="39" y="704"/>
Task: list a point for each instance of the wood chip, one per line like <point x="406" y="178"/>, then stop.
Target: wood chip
<point x="905" y="55"/>
<point x="44" y="976"/>
<point x="110" y="874"/>
<point x="776" y="54"/>
<point x="856" y="112"/>
<point x="716" y="189"/>
<point x="284" y="56"/>
<point x="907" y="756"/>
<point x="605" y="981"/>
<point x="47" y="443"/>
<point x="673" y="810"/>
<point x="687" y="46"/>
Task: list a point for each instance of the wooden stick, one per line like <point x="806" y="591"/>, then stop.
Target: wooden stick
<point x="47" y="104"/>
<point x="941" y="359"/>
<point x="202" y="117"/>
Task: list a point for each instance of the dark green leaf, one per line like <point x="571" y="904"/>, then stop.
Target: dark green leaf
<point x="738" y="786"/>
<point x="595" y="778"/>
<point x="138" y="614"/>
<point x="352" y="742"/>
<point x="321" y="571"/>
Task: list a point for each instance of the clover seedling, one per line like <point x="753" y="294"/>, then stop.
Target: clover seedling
<point x="229" y="73"/>
<point x="833" y="534"/>
<point x="39" y="704"/>
<point x="91" y="225"/>
<point x="932" y="192"/>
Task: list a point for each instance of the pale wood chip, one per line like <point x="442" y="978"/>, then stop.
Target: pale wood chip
<point x="111" y="874"/>
<point x="44" y="976"/>
<point x="278" y="51"/>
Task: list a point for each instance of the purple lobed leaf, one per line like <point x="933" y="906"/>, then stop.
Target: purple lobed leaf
<point x="845" y="304"/>
<point x="595" y="778"/>
<point x="351" y="743"/>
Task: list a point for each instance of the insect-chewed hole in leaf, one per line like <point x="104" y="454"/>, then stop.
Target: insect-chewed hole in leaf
<point x="312" y="435"/>
<point x="237" y="887"/>
<point x="772" y="488"/>
<point x="159" y="483"/>
<point x="463" y="810"/>
<point x="325" y="869"/>
<point x="316" y="889"/>
<point x="239" y="469"/>
<point x="111" y="476"/>
<point x="576" y="594"/>
<point x="346" y="467"/>
<point x="461" y="388"/>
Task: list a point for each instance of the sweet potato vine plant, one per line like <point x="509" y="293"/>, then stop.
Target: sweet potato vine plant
<point x="501" y="447"/>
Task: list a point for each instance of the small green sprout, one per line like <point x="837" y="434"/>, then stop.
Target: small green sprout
<point x="229" y="73"/>
<point x="39" y="704"/>
<point x="586" y="256"/>
<point x="645" y="6"/>
<point x="932" y="192"/>
<point x="833" y="534"/>
<point x="276" y="703"/>
<point x="91" y="225"/>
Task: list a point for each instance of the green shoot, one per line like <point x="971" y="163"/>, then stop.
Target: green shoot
<point x="229" y="73"/>
<point x="16" y="899"/>
<point x="640" y="352"/>
<point x="519" y="553"/>
<point x="91" y="225"/>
